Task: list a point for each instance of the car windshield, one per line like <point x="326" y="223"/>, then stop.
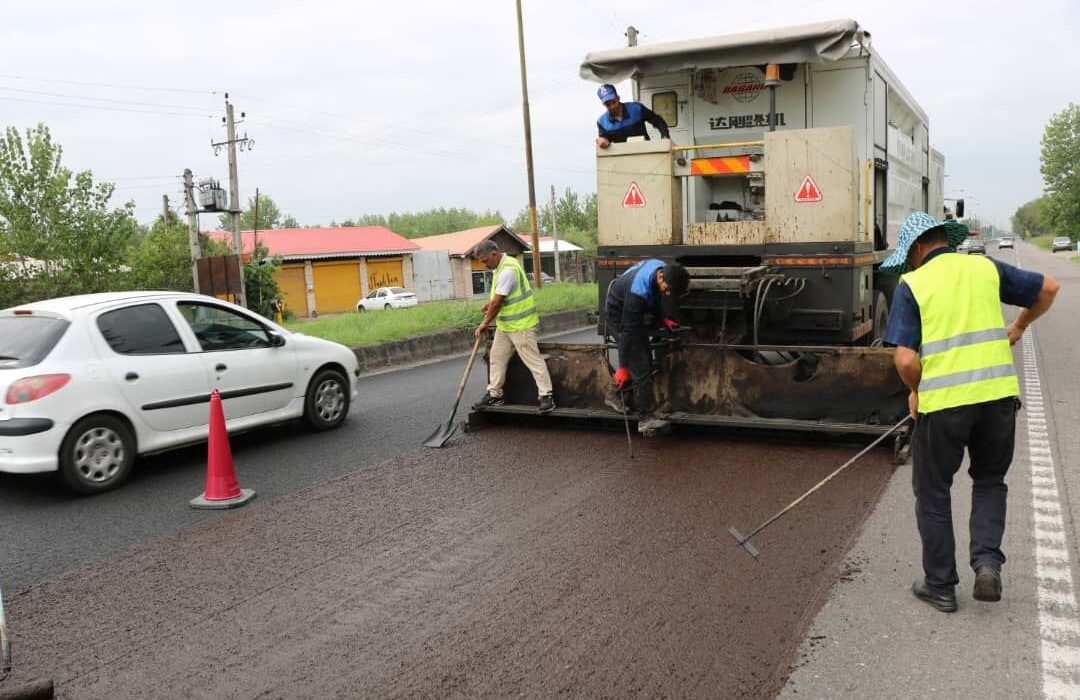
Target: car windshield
<point x="27" y="340"/>
<point x="398" y="290"/>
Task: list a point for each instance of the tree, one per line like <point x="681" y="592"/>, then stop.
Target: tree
<point x="435" y="221"/>
<point x="259" y="283"/>
<point x="290" y="222"/>
<point x="577" y="219"/>
<point x="1061" y="171"/>
<point x="269" y="216"/>
<point x="1031" y="217"/>
<point x="58" y="235"/>
<point x="161" y="259"/>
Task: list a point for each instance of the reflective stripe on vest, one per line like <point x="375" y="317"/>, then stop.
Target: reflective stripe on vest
<point x="966" y="357"/>
<point x="518" y="312"/>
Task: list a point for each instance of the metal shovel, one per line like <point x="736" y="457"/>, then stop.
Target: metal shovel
<point x="447" y="429"/>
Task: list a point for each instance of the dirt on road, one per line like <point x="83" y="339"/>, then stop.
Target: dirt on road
<point x="520" y="563"/>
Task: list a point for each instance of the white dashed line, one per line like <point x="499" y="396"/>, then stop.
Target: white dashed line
<point x="1059" y="625"/>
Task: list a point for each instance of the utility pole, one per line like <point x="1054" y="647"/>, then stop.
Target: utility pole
<point x="631" y="36"/>
<point x="192" y="212"/>
<point x="555" y="233"/>
<point x="165" y="212"/>
<point x="528" y="150"/>
<point x="234" y="185"/>
<point x="255" y="233"/>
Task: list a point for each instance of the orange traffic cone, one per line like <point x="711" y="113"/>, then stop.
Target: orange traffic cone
<point x="222" y="488"/>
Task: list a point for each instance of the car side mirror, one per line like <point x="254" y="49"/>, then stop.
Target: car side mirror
<point x="276" y="339"/>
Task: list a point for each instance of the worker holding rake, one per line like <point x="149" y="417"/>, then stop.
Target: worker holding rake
<point x="953" y="352"/>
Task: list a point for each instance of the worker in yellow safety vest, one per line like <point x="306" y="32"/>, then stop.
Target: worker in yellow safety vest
<point x="512" y="308"/>
<point x="953" y="351"/>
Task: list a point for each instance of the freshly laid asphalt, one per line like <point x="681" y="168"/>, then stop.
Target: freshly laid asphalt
<point x="515" y="563"/>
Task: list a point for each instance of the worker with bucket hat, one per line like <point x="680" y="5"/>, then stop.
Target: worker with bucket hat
<point x="953" y="352"/>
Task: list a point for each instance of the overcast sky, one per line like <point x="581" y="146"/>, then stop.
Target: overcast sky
<point x="371" y="107"/>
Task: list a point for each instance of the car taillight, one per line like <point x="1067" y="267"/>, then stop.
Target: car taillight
<point x="34" y="388"/>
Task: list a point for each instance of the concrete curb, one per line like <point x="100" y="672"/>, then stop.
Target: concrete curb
<point x="446" y="343"/>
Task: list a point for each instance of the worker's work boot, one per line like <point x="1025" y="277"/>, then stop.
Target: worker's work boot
<point x="941" y="600"/>
<point x="547" y="403"/>
<point x="613" y="399"/>
<point x="987" y="585"/>
<point x="652" y="425"/>
<point x="489" y="401"/>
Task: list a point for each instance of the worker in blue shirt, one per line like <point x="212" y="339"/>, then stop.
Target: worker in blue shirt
<point x="952" y="351"/>
<point x="625" y="119"/>
<point x="633" y="312"/>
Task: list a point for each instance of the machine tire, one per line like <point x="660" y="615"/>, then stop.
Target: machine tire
<point x="97" y="454"/>
<point x="881" y="317"/>
<point x="326" y="404"/>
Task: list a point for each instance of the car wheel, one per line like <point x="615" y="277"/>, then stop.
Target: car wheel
<point x="386" y="308"/>
<point x="360" y="308"/>
<point x="327" y="402"/>
<point x="97" y="454"/>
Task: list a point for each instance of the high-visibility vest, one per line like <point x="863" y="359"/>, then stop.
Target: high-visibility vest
<point x="965" y="352"/>
<point x="518" y="311"/>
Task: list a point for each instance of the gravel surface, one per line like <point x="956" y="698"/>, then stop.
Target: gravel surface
<point x="520" y="563"/>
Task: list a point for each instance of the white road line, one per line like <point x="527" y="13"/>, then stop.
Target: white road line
<point x="1059" y="622"/>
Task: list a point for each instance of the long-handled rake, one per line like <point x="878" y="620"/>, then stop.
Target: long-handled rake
<point x="744" y="540"/>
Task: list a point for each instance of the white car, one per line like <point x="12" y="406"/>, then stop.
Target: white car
<point x="92" y="381"/>
<point x="386" y="298"/>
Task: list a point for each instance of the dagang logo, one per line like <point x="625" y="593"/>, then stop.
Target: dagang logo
<point x="745" y="87"/>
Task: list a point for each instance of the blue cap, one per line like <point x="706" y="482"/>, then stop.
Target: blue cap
<point x="606" y="92"/>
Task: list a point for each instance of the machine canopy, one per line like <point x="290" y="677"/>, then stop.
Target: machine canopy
<point x="819" y="42"/>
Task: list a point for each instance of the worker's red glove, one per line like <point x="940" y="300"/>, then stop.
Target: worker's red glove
<point x="670" y="324"/>
<point x="622" y="378"/>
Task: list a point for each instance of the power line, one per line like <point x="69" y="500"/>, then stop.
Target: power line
<point x="108" y="85"/>
<point x="99" y="99"/>
<point x="101" y="107"/>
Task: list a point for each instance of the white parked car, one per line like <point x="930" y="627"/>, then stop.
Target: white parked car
<point x="386" y="298"/>
<point x="92" y="381"/>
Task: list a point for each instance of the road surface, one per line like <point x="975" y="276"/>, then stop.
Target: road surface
<point x="47" y="529"/>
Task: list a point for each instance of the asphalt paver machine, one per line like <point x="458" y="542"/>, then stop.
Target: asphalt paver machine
<point x="795" y="154"/>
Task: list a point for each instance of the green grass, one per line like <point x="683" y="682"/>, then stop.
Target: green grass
<point x="1042" y="241"/>
<point x="373" y="327"/>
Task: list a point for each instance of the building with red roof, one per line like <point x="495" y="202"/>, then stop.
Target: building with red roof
<point x="327" y="270"/>
<point x="469" y="278"/>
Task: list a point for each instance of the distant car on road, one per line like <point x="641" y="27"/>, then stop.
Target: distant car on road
<point x="386" y="298"/>
<point x="1061" y="243"/>
<point x="92" y="381"/>
<point x="976" y="245"/>
<point x="1006" y="242"/>
<point x="964" y="246"/>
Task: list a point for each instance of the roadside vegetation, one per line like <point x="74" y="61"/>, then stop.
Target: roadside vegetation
<point x="1042" y="241"/>
<point x="372" y="327"/>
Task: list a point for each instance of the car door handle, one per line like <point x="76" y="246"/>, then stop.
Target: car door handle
<point x="131" y="376"/>
<point x="220" y="367"/>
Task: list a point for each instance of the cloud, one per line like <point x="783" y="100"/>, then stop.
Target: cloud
<point x="372" y="107"/>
